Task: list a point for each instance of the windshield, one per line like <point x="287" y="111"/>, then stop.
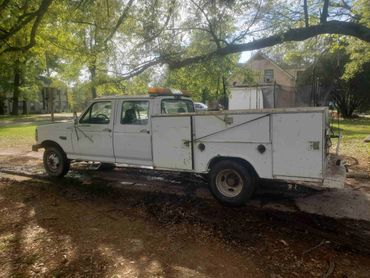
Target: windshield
<point x="173" y="106"/>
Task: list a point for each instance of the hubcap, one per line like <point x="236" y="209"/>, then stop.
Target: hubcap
<point x="229" y="183"/>
<point x="53" y="161"/>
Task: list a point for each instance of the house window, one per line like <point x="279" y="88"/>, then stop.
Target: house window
<point x="269" y="75"/>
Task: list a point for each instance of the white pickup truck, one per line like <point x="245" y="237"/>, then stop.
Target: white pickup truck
<point x="161" y="131"/>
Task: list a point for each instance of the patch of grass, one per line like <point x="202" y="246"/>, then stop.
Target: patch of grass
<point x="30" y="117"/>
<point x="14" y="135"/>
<point x="353" y="129"/>
<point x="354" y="132"/>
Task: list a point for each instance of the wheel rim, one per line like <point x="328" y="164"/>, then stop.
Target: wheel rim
<point x="229" y="183"/>
<point x="53" y="161"/>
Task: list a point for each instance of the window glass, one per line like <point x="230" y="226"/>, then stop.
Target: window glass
<point x="269" y="75"/>
<point x="173" y="106"/>
<point x="98" y="113"/>
<point x="135" y="112"/>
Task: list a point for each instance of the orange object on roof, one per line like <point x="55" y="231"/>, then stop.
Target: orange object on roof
<point x="159" y="90"/>
<point x="167" y="91"/>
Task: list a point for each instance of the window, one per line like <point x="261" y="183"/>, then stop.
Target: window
<point x="98" y="113"/>
<point x="173" y="106"/>
<point x="269" y="75"/>
<point x="135" y="112"/>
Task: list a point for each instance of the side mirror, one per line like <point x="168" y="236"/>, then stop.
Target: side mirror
<point x="75" y="118"/>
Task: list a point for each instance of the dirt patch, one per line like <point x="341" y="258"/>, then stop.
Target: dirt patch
<point x="66" y="228"/>
<point x="96" y="224"/>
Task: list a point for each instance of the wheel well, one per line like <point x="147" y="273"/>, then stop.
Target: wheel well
<point x="49" y="143"/>
<point x="239" y="160"/>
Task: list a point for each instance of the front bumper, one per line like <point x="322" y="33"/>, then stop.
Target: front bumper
<point x="36" y="147"/>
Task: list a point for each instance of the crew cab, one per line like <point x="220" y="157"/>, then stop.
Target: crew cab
<point x="161" y="131"/>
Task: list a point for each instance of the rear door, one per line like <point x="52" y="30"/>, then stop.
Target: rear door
<point x="172" y="148"/>
<point x="132" y="133"/>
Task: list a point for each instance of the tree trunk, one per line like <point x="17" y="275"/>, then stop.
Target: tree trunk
<point x="16" y="84"/>
<point x="225" y="103"/>
<point x="2" y="106"/>
<point x="51" y="98"/>
<point x="92" y="80"/>
<point x="25" y="110"/>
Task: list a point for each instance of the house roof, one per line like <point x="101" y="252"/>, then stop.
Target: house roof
<point x="260" y="54"/>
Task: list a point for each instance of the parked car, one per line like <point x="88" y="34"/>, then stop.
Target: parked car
<point x="161" y="131"/>
<point x="200" y="106"/>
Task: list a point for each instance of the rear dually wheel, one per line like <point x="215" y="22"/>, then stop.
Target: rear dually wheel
<point x="231" y="183"/>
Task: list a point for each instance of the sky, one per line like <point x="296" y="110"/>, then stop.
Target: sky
<point x="245" y="56"/>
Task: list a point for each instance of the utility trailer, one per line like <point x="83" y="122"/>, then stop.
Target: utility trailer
<point x="233" y="148"/>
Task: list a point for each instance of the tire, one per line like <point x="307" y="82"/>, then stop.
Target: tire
<point x="107" y="166"/>
<point x="231" y="183"/>
<point x="56" y="163"/>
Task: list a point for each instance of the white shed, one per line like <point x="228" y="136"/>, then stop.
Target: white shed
<point x="245" y="98"/>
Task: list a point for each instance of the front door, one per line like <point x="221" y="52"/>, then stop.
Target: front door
<point x="92" y="136"/>
<point x="132" y="133"/>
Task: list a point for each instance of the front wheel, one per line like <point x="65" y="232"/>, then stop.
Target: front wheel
<point x="231" y="183"/>
<point x="56" y="163"/>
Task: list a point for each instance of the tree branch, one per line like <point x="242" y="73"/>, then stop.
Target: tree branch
<point x="39" y="15"/>
<point x="299" y="34"/>
<point x="119" y="21"/>
<point x="210" y="26"/>
<point x="325" y="12"/>
<point x="305" y="9"/>
<point x="4" y="4"/>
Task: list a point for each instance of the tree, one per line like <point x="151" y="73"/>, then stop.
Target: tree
<point x="358" y="51"/>
<point x="208" y="80"/>
<point x="18" y="16"/>
<point x="278" y="22"/>
<point x="116" y="40"/>
<point x="348" y="94"/>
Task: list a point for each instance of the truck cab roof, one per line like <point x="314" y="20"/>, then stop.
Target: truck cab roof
<point x="119" y="97"/>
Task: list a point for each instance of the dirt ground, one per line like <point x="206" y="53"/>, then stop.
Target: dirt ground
<point x="130" y="223"/>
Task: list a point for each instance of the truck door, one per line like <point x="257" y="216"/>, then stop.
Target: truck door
<point x="92" y="135"/>
<point x="132" y="133"/>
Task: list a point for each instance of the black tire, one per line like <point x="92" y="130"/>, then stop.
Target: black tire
<point x="107" y="166"/>
<point x="231" y="183"/>
<point x="56" y="163"/>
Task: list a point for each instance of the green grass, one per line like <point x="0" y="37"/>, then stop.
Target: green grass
<point x="15" y="135"/>
<point x="352" y="146"/>
<point x="353" y="129"/>
<point x="18" y="117"/>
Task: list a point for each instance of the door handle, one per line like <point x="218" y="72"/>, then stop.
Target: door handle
<point x="145" y="131"/>
<point x="107" y="129"/>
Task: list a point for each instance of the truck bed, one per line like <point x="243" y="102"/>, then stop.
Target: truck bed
<point x="282" y="143"/>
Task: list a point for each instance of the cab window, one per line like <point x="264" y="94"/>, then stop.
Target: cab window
<point x="98" y="113"/>
<point x="173" y="106"/>
<point x="135" y="112"/>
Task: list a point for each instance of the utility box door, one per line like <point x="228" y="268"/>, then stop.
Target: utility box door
<point x="298" y="145"/>
<point x="171" y="142"/>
